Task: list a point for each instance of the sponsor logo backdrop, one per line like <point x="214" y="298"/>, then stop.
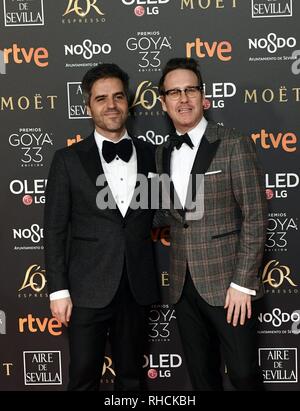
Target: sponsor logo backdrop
<point x="248" y="52"/>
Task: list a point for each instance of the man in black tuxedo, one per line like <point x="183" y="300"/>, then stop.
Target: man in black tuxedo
<point x="101" y="280"/>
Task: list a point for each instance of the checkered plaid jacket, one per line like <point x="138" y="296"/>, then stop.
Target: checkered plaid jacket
<point x="226" y="245"/>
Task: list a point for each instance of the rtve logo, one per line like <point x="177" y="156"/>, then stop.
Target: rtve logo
<point x="286" y="141"/>
<point x="38" y="56"/>
<point x="33" y="325"/>
<point x="220" y="49"/>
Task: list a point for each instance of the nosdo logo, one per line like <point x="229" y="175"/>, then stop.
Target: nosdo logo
<point x="278" y="317"/>
<point x="34" y="233"/>
<point x="271" y="43"/>
<point x="151" y="137"/>
<point x="87" y="49"/>
<point x="204" y="49"/>
<point x="19" y="55"/>
<point x="34" y="325"/>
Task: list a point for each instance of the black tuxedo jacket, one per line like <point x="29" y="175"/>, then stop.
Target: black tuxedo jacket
<point x="85" y="247"/>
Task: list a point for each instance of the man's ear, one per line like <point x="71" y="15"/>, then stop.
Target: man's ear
<point x="162" y="100"/>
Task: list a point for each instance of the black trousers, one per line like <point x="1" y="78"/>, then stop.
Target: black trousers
<point x="123" y="321"/>
<point x="205" y="333"/>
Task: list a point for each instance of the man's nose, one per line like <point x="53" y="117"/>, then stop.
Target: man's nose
<point x="111" y="102"/>
<point x="183" y="96"/>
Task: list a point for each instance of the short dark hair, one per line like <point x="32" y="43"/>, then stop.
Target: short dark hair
<point x="179" y="63"/>
<point x="106" y="70"/>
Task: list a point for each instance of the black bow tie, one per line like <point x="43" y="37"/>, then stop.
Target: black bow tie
<point x="177" y="141"/>
<point x="123" y="149"/>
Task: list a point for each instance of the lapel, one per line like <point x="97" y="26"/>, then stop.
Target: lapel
<point x="166" y="160"/>
<point x="141" y="169"/>
<point x="90" y="159"/>
<point x="205" y="154"/>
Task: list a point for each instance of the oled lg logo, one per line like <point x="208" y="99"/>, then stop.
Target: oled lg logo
<point x="2" y="322"/>
<point x="33" y="192"/>
<point x="145" y="7"/>
<point x="216" y="93"/>
<point x="160" y="365"/>
<point x="280" y="184"/>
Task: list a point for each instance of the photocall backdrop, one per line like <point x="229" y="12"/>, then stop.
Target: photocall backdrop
<point x="248" y="53"/>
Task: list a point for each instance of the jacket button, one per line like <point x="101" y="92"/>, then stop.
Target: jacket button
<point x="185" y="225"/>
<point x="124" y="225"/>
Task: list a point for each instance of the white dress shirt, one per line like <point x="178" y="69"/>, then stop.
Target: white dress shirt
<point x="121" y="178"/>
<point x="182" y="161"/>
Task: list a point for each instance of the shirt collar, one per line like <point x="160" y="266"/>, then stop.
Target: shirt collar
<point x="197" y="132"/>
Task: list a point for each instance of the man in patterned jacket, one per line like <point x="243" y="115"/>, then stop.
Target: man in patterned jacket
<point x="215" y="259"/>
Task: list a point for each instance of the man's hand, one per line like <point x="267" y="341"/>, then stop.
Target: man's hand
<point x="61" y="309"/>
<point x="237" y="304"/>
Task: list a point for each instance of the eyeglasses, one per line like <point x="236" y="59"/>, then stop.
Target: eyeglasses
<point x="190" y="92"/>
